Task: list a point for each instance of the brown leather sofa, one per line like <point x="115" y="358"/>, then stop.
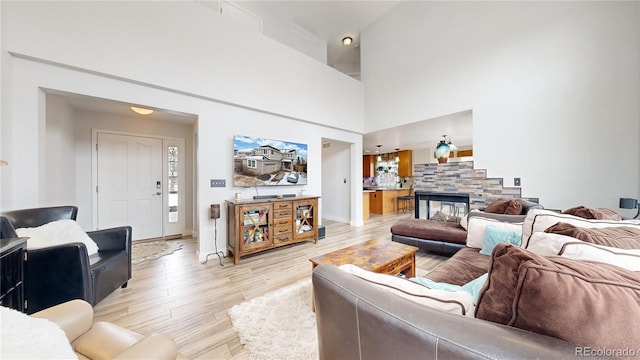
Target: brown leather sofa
<point x="64" y="272"/>
<point x="358" y="321"/>
<point x="446" y="237"/>
<point x="103" y="340"/>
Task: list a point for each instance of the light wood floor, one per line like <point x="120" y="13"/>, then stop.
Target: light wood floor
<point x="181" y="297"/>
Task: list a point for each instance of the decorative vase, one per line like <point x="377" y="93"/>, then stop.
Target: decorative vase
<point x="442" y="151"/>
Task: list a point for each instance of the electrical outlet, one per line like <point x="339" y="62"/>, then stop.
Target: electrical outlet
<point x="218" y="183"/>
<point x="516" y="181"/>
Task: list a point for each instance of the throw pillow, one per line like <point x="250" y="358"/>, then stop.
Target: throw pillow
<point x="455" y="302"/>
<point x="582" y="302"/>
<point x="620" y="237"/>
<point x="499" y="217"/>
<point x="435" y="285"/>
<point x="591" y="213"/>
<point x="57" y="233"/>
<point x="477" y="229"/>
<point x="504" y="206"/>
<point x="474" y="287"/>
<point x="494" y="235"/>
<point x="514" y="207"/>
<point x="547" y="244"/>
<point x="626" y="259"/>
<point x="497" y="206"/>
<point x="540" y="219"/>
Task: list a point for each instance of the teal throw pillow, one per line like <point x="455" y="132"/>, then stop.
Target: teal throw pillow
<point x="494" y="236"/>
<point x="435" y="285"/>
<point x="473" y="287"/>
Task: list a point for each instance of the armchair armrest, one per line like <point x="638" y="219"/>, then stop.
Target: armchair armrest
<point x="57" y="274"/>
<point x="118" y="238"/>
<point x="156" y="346"/>
<point x="6" y="230"/>
<point x="74" y="317"/>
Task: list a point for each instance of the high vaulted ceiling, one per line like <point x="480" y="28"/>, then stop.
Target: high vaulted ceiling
<point x="329" y="21"/>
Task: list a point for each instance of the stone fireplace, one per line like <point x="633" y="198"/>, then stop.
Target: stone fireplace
<point x="462" y="178"/>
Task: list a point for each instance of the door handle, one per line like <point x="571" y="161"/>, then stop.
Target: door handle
<point x="158" y="193"/>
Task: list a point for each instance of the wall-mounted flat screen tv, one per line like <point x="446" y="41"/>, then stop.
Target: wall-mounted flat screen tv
<point x="266" y="162"/>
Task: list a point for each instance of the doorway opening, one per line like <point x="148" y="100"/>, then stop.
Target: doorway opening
<point x="72" y="123"/>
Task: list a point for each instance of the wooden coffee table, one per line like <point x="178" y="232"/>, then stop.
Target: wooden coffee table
<point x="381" y="256"/>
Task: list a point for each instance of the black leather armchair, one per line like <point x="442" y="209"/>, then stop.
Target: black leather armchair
<point x="65" y="272"/>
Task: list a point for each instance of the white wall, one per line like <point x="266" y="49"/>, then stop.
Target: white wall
<point x="60" y="156"/>
<point x="3" y="84"/>
<point x="422" y="156"/>
<point x="286" y="31"/>
<point x="554" y="88"/>
<point x="183" y="45"/>
<point x="217" y="123"/>
<point x="188" y="63"/>
<point x="336" y="166"/>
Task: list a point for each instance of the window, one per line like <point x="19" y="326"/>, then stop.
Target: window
<point x="172" y="166"/>
<point x="251" y="164"/>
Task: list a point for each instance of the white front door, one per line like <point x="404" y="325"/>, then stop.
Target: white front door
<point x="130" y="184"/>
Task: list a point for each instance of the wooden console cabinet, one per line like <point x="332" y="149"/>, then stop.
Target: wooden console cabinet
<point x="12" y="257"/>
<point x="258" y="225"/>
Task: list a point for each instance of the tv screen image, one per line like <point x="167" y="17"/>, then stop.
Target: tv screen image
<point x="266" y="162"/>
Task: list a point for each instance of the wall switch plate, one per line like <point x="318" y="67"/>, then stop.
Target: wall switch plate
<point x="516" y="181"/>
<point x="218" y="182"/>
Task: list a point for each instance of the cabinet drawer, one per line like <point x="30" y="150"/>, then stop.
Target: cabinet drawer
<point x="282" y="206"/>
<point x="284" y="222"/>
<point x="282" y="238"/>
<point x="280" y="214"/>
<point x="279" y="230"/>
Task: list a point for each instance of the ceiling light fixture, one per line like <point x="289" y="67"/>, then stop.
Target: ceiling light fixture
<point x="141" y="111"/>
<point x="379" y="158"/>
<point x="3" y="163"/>
<point x="347" y="40"/>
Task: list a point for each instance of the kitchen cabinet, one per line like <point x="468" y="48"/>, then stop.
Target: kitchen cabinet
<point x="405" y="163"/>
<point x="368" y="166"/>
<point x="385" y="201"/>
<point x="375" y="202"/>
<point x="366" y="204"/>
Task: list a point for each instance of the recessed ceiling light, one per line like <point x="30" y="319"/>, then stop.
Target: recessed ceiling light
<point x="141" y="111"/>
<point x="347" y="40"/>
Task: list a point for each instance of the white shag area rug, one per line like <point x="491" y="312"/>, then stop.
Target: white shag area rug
<point x="279" y="324"/>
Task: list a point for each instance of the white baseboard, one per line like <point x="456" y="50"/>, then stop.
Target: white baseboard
<point x="335" y="218"/>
